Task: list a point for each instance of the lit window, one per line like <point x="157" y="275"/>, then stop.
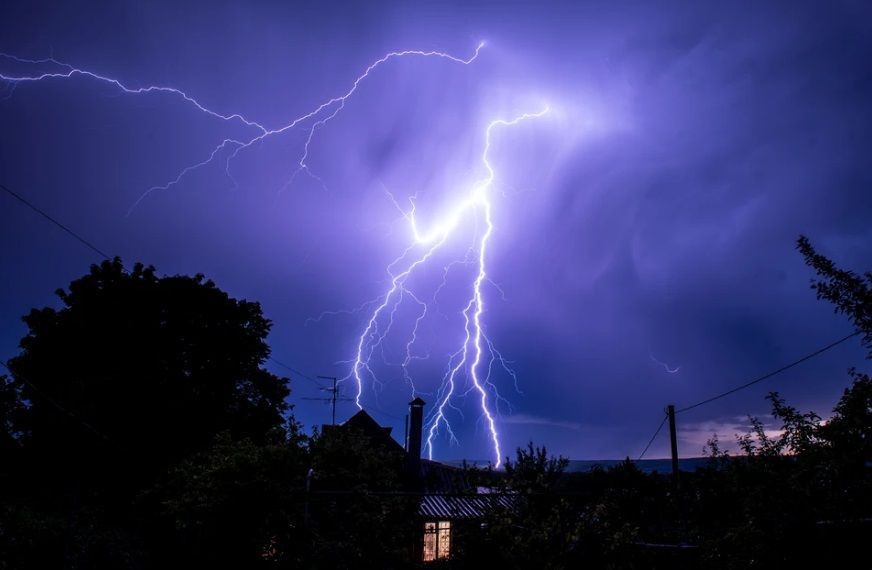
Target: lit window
<point x="437" y="540"/>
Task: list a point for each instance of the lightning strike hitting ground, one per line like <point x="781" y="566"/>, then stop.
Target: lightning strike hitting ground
<point x="476" y="355"/>
<point x="470" y="355"/>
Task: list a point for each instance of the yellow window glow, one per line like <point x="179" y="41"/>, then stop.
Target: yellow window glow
<point x="437" y="540"/>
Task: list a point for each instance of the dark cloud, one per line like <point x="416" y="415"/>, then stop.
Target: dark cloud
<point x="655" y="212"/>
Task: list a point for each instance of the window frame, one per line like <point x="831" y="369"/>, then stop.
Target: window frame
<point x="439" y="532"/>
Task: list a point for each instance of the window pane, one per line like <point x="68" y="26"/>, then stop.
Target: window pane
<point x="429" y="542"/>
<point x="444" y="542"/>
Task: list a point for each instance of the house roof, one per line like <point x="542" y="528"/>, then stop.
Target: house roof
<point x="454" y="507"/>
<point x="447" y="493"/>
<point x="377" y="434"/>
<point x="441" y="478"/>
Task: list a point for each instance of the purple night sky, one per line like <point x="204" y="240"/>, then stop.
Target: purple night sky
<point x="650" y="216"/>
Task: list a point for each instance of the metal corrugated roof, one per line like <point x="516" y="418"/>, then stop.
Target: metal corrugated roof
<point x="461" y="507"/>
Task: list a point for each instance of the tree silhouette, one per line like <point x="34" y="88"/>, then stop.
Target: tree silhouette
<point x="12" y="414"/>
<point x="851" y="294"/>
<point x="135" y="372"/>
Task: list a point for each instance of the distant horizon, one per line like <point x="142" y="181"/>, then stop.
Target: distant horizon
<point x="482" y="462"/>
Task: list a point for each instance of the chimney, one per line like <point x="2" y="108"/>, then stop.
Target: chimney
<point x="416" y="428"/>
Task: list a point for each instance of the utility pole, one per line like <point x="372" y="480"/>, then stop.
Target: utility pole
<point x="670" y="411"/>
<point x="334" y="396"/>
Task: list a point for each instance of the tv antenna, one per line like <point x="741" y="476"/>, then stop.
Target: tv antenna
<point x="334" y="396"/>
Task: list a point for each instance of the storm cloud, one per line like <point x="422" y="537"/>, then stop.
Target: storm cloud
<point x="655" y="211"/>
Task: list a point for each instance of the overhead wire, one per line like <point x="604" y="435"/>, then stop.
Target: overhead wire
<point x="69" y="231"/>
<point x="297" y="372"/>
<point x="757" y="380"/>
<point x="748" y="384"/>
<point x="45" y="215"/>
<point x="69" y="413"/>
<point x="769" y="374"/>
<point x="653" y="437"/>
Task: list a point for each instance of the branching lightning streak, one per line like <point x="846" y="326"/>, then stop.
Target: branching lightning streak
<point x="469" y="358"/>
<point x="74" y="71"/>
<point x="470" y="355"/>
<point x="320" y="115"/>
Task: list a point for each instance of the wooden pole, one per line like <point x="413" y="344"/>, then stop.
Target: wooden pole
<point x="673" y="441"/>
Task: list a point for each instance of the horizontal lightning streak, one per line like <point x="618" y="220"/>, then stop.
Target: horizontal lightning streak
<point x="74" y="71"/>
<point x="263" y="132"/>
<point x="469" y="357"/>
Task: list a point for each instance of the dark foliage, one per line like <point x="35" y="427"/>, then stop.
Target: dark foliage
<point x="358" y="514"/>
<point x="138" y="430"/>
<point x="850" y="293"/>
<point x="237" y="504"/>
<point x="800" y="498"/>
<point x="155" y="366"/>
<point x="129" y="378"/>
<point x="13" y="414"/>
<point x="539" y="528"/>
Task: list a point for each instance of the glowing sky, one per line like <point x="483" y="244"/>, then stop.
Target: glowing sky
<point x="642" y="248"/>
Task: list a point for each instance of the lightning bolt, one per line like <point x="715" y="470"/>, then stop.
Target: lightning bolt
<point x="319" y="116"/>
<point x="68" y="72"/>
<point x="666" y="367"/>
<point x="475" y="356"/>
<point x="475" y="347"/>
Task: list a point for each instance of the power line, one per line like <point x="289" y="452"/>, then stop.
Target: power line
<point x="771" y="374"/>
<point x="63" y="409"/>
<point x="653" y="437"/>
<point x="297" y="372"/>
<point x="104" y="255"/>
<point x="748" y="384"/>
<point x="30" y="205"/>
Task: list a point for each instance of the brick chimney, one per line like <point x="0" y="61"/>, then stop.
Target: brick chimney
<point x="416" y="429"/>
